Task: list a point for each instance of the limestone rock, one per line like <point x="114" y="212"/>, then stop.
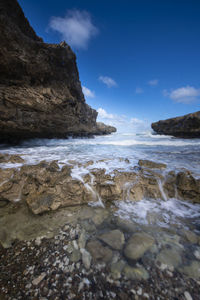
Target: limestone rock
<point x="137" y="245"/>
<point x="187" y="126"/>
<point x="151" y="164"/>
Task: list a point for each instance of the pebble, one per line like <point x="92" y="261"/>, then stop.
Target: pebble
<point x="38" y="241"/>
<point x="38" y="279"/>
<point x="86" y="258"/>
<point x="197" y="254"/>
<point x="139" y="291"/>
<point x="187" y="296"/>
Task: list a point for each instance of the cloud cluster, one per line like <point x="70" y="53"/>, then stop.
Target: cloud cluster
<point x="139" y="90"/>
<point x="122" y="122"/>
<point x="76" y="28"/>
<point x="110" y="82"/>
<point x="153" y="82"/>
<point x="184" y="95"/>
<point x="87" y="92"/>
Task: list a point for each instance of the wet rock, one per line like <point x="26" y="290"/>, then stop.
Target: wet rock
<point x="100" y="215"/>
<point x="125" y="225"/>
<point x="151" y="164"/>
<point x="191" y="236"/>
<point x="137" y="245"/>
<point x="116" y="269"/>
<point x="192" y="270"/>
<point x="82" y="239"/>
<point x="99" y="252"/>
<point x="188" y="187"/>
<point x="11" y="158"/>
<point x="86" y="258"/>
<point x="137" y="273"/>
<point x="47" y="188"/>
<point x="114" y="239"/>
<point x="197" y="253"/>
<point x="169" y="257"/>
<point x="75" y="256"/>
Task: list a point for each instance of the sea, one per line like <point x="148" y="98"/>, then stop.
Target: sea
<point x="112" y="152"/>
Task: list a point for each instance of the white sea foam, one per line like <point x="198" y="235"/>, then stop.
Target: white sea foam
<point x="158" y="212"/>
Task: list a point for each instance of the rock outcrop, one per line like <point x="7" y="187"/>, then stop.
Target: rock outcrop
<point x="105" y="129"/>
<point x="40" y="91"/>
<point x="187" y="126"/>
<point x="45" y="187"/>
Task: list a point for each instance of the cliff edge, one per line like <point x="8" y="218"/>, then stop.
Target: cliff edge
<point x="187" y="126"/>
<point x="40" y="90"/>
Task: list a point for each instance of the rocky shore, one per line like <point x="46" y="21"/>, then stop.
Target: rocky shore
<point x="63" y="236"/>
<point x="187" y="126"/>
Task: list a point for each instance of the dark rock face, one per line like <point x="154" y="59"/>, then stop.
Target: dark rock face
<point x="40" y="91"/>
<point x="187" y="126"/>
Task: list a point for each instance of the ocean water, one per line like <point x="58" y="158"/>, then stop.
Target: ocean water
<point x="110" y="152"/>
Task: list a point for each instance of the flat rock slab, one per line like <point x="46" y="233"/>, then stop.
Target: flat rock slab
<point x="137" y="245"/>
<point x="114" y="239"/>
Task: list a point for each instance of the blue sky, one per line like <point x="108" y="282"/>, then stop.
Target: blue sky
<point x="138" y="60"/>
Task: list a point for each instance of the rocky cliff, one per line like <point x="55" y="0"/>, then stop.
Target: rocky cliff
<point x="187" y="126"/>
<point x="40" y="91"/>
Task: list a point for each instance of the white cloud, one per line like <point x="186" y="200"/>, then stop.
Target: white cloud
<point x="153" y="82"/>
<point x="185" y="94"/>
<point x="87" y="92"/>
<point x="139" y="90"/>
<point x="110" y="82"/>
<point x="136" y="121"/>
<point x="76" y="28"/>
<point x="122" y="122"/>
<point x="103" y="114"/>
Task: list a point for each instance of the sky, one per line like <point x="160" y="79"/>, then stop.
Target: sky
<point x="138" y="60"/>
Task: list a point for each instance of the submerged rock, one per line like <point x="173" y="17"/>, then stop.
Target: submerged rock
<point x="137" y="273"/>
<point x="137" y="245"/>
<point x="114" y="239"/>
<point x="169" y="257"/>
<point x="99" y="252"/>
<point x="187" y="126"/>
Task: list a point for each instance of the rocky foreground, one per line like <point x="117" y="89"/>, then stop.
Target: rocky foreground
<point x="55" y="246"/>
<point x="40" y="90"/>
<point x="187" y="126"/>
<point x="95" y="255"/>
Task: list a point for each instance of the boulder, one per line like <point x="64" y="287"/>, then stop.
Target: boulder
<point x="187" y="126"/>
